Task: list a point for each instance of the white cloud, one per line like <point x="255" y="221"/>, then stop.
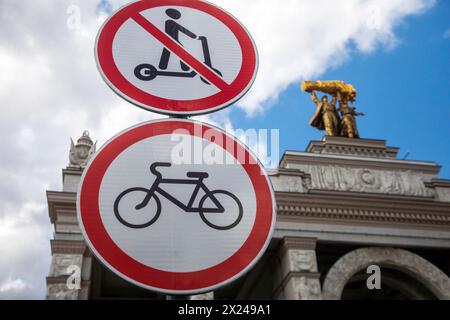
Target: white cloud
<point x="11" y="286"/>
<point x="50" y="90"/>
<point x="24" y="248"/>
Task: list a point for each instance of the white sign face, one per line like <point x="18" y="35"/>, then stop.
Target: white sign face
<point x="148" y="50"/>
<point x="176" y="56"/>
<point x="176" y="241"/>
<point x="178" y="228"/>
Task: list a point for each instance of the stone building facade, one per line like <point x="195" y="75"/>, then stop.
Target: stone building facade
<point x="343" y="205"/>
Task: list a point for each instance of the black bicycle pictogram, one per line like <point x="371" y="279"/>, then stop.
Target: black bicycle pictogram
<point x="197" y="179"/>
<point x="148" y="72"/>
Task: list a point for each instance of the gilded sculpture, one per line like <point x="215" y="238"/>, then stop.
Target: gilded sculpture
<point x="335" y="121"/>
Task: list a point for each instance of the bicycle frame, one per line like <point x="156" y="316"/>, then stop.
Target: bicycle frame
<point x="199" y="185"/>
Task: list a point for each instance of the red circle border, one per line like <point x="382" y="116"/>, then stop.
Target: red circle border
<point x="123" y="87"/>
<point x="108" y="251"/>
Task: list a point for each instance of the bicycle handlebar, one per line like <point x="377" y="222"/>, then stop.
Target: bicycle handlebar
<point x="154" y="166"/>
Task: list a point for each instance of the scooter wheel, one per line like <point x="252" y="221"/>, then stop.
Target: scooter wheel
<point x="145" y="72"/>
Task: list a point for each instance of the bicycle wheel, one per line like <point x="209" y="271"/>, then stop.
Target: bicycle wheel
<point x="127" y="214"/>
<point x="216" y="220"/>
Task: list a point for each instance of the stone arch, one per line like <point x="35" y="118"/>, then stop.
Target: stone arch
<point x="402" y="260"/>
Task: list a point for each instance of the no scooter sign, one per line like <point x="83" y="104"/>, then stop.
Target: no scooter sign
<point x="172" y="226"/>
<point x="176" y="57"/>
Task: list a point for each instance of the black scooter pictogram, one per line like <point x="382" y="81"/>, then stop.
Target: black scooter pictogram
<point x="197" y="179"/>
<point x="148" y="72"/>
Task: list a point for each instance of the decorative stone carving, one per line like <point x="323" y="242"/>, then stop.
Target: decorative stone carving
<point x="81" y="153"/>
<point x="287" y="183"/>
<point x="62" y="266"/>
<point x="348" y="265"/>
<point x="302" y="260"/>
<point x="443" y="194"/>
<point x="308" y="288"/>
<point x="294" y="184"/>
<point x="297" y="276"/>
<point x="307" y="184"/>
<point x="62" y="262"/>
<point x="338" y="178"/>
<point x="60" y="291"/>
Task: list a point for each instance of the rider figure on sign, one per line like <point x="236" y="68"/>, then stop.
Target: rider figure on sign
<point x="173" y="29"/>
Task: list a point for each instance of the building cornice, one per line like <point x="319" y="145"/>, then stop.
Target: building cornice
<point x="68" y="247"/>
<point x="61" y="202"/>
<point x="303" y="158"/>
<point x="362" y="209"/>
<point x="439" y="183"/>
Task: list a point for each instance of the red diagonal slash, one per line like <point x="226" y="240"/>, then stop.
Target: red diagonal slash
<point x="177" y="49"/>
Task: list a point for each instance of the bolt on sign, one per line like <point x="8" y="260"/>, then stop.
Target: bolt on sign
<point x="176" y="57"/>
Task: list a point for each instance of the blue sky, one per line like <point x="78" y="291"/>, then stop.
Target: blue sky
<point x="104" y="7"/>
<point x="404" y="91"/>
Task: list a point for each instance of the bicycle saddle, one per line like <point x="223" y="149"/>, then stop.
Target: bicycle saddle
<point x="203" y="175"/>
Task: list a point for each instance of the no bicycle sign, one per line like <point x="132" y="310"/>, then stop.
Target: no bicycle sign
<point x="176" y="57"/>
<point x="175" y="228"/>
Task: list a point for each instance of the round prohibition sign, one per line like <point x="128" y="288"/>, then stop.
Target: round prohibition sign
<point x="176" y="57"/>
<point x="115" y="172"/>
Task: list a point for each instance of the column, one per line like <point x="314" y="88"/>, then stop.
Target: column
<point x="297" y="276"/>
<point x="69" y="277"/>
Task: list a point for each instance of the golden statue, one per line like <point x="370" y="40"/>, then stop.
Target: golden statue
<point x="348" y="121"/>
<point x="331" y="87"/>
<point x="326" y="116"/>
